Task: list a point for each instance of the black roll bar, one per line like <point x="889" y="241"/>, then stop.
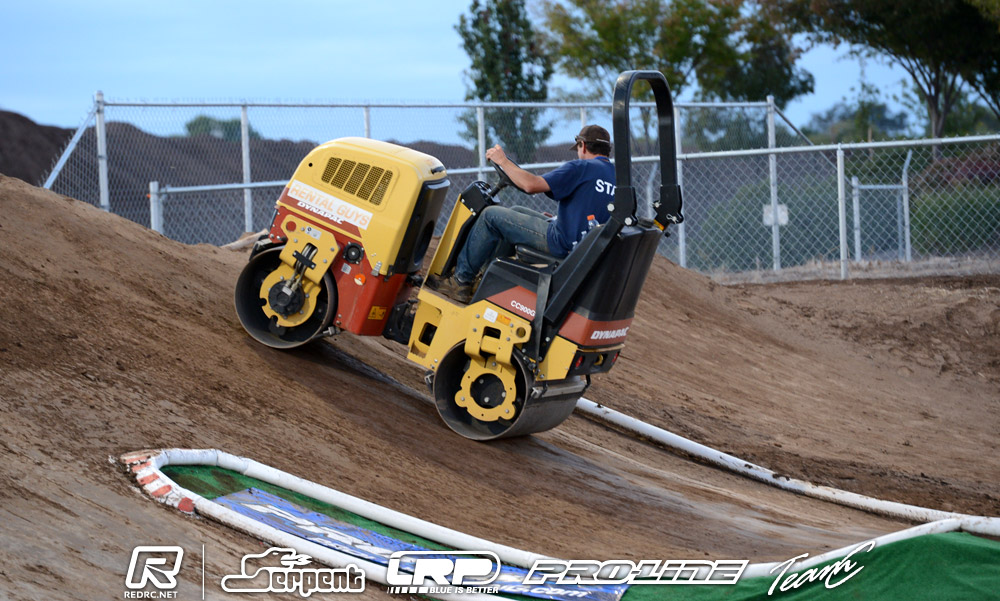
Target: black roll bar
<point x="668" y="208"/>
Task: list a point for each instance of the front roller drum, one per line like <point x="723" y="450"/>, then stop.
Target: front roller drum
<point x="488" y="401"/>
<point x="255" y="293"/>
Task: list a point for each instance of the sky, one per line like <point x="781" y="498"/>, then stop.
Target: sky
<point x="55" y="54"/>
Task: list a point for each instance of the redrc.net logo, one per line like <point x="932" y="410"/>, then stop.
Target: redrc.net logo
<point x="153" y="566"/>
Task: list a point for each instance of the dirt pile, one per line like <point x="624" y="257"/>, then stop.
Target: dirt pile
<point x="114" y="339"/>
<point x="28" y="150"/>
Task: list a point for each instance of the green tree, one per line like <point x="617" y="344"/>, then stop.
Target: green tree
<point x="934" y="41"/>
<point x="844" y="122"/>
<point x="508" y="65"/>
<point x="724" y="47"/>
<point x="863" y="117"/>
<point x="229" y="130"/>
<point x="984" y="75"/>
<point x="765" y="65"/>
<point x="967" y="116"/>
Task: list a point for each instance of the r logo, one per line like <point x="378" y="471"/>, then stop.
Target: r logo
<point x="148" y="570"/>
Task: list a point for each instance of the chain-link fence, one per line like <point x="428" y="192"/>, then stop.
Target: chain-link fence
<point x="914" y="201"/>
<point x="756" y="199"/>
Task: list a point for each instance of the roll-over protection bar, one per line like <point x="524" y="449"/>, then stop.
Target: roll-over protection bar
<point x="668" y="207"/>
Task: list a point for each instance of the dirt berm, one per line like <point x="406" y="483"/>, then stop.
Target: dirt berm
<point x="113" y="339"/>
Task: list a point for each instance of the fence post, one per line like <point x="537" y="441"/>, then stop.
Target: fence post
<point x="583" y="117"/>
<point x="856" y="200"/>
<point x="368" y="121"/>
<point x="906" y="205"/>
<point x="773" y="178"/>
<point x="900" y="235"/>
<point x="102" y="154"/>
<point x="681" y="233"/>
<point x="247" y="193"/>
<point x="155" y="208"/>
<point x="481" y="133"/>
<point x="842" y="212"/>
<point x="647" y="210"/>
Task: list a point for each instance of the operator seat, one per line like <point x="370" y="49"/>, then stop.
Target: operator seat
<point x="533" y="256"/>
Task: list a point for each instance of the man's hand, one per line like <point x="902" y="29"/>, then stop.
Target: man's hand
<point x="497" y="155"/>
<point x="525" y="180"/>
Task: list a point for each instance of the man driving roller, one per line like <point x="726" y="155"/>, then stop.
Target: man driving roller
<point x="583" y="188"/>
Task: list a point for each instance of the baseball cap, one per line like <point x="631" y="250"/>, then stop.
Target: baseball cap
<point x="592" y="133"/>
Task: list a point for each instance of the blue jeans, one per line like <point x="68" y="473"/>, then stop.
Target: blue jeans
<point x="495" y="234"/>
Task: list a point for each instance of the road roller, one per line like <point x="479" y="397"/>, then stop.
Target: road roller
<point x="346" y="251"/>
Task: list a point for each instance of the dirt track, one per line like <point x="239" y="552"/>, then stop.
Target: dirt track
<point x="114" y="338"/>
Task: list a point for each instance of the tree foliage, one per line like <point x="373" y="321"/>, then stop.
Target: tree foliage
<point x="229" y="130"/>
<point x="722" y="47"/>
<point x="984" y="75"/>
<point x="844" y="122"/>
<point x="508" y="65"/>
<point x="765" y="66"/>
<point x="936" y="42"/>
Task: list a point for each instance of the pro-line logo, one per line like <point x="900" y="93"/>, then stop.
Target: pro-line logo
<point x="588" y="572"/>
<point x="461" y="572"/>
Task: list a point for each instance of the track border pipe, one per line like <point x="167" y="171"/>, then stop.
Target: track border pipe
<point x="145" y="466"/>
<point x="991" y="526"/>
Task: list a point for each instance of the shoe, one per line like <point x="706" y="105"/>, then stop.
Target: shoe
<point x="455" y="290"/>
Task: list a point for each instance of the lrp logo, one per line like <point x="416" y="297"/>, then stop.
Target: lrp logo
<point x="464" y="572"/>
<point x="155" y="565"/>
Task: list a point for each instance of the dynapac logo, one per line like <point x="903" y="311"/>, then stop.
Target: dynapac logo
<point x="609" y="334"/>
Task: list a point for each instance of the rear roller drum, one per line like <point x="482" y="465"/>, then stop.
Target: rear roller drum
<point x="275" y="312"/>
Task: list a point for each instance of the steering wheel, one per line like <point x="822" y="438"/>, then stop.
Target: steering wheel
<point x="504" y="180"/>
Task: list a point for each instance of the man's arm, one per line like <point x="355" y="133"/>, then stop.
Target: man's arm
<point x="527" y="181"/>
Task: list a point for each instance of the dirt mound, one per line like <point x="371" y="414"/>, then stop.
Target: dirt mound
<point x="114" y="338"/>
<point x="882" y="387"/>
<point x="28" y="150"/>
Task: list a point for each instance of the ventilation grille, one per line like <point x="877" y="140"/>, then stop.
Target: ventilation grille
<point x="359" y="179"/>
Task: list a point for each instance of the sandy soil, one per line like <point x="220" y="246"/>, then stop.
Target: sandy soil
<point x="114" y="339"/>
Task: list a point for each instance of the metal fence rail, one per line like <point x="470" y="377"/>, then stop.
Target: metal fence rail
<point x="951" y="207"/>
<point x="756" y="198"/>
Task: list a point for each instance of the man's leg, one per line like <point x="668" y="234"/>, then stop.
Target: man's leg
<point x="499" y="227"/>
<point x="506" y="249"/>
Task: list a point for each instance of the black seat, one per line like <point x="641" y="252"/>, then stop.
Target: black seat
<point x="533" y="256"/>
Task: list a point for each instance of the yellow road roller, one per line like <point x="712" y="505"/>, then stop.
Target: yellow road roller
<point x="346" y="249"/>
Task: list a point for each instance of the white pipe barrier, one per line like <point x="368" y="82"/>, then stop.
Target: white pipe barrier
<point x="146" y="466"/>
<point x="971" y="524"/>
<point x="165" y="490"/>
<point x="266" y="473"/>
<point x="988" y="526"/>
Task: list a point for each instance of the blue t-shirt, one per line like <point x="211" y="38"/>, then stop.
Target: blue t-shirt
<point x="582" y="187"/>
